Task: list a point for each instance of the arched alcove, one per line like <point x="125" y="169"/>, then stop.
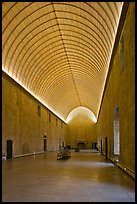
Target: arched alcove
<point x="81" y="124"/>
<point x="81" y="111"/>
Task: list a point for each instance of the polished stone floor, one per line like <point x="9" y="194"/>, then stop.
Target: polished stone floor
<point x="84" y="177"/>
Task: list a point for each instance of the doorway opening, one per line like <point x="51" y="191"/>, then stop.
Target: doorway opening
<point x="116" y="135"/>
<point x="9" y="149"/>
<point x="45" y="143"/>
<point x="106" y="148"/>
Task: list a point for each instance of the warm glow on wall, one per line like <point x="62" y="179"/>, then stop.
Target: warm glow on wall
<point x="36" y="97"/>
<point x="60" y="52"/>
<point x="81" y="111"/>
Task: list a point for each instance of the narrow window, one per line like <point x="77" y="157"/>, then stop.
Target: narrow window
<point x="61" y="124"/>
<point x="39" y="110"/>
<point x="116" y="135"/>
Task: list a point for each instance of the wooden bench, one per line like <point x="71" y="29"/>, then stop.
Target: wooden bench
<point x="63" y="154"/>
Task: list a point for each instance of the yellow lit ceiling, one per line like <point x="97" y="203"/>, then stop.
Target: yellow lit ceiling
<point x="60" y="51"/>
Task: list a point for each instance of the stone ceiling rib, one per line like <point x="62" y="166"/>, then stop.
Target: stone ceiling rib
<point x="66" y="53"/>
<point x="60" y="51"/>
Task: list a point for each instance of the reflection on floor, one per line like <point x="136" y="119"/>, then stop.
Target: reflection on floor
<point x="84" y="177"/>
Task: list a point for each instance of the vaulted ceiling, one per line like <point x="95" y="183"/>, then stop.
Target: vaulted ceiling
<point x="60" y="51"/>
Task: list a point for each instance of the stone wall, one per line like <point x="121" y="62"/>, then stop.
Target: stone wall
<point x="22" y="122"/>
<point x="25" y="124"/>
<point x="81" y="129"/>
<point x="120" y="92"/>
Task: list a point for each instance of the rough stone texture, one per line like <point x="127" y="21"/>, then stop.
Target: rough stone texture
<point x="120" y="92"/>
<point x="22" y="124"/>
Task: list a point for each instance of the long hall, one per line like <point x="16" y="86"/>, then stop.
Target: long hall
<point x="84" y="177"/>
<point x="68" y="87"/>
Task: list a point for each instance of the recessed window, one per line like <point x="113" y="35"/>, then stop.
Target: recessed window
<point x="39" y="110"/>
<point x="61" y="124"/>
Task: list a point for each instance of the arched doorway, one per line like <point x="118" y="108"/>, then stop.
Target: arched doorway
<point x="116" y="134"/>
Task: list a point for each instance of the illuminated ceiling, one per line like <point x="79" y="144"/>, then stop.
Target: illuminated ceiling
<point x="60" y="51"/>
<point x="81" y="111"/>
